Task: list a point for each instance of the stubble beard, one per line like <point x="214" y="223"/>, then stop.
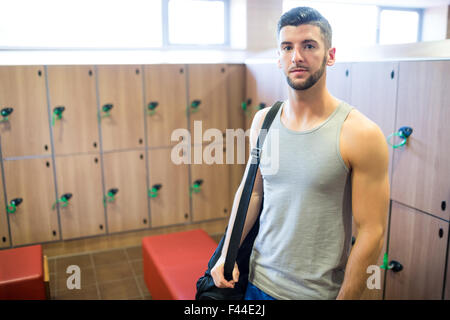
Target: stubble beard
<point x="311" y="80"/>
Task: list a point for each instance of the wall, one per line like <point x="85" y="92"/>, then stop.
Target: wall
<point x="435" y="23"/>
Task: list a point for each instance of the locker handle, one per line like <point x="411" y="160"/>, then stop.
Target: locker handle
<point x="395" y="266"/>
<point x="245" y="104"/>
<point x="64" y="200"/>
<point x="106" y="110"/>
<point x="196" y="186"/>
<point x="5" y="113"/>
<point x="261" y="105"/>
<point x="57" y="113"/>
<point x="110" y="197"/>
<point x="152" y="107"/>
<point x="153" y="192"/>
<point x="11" y="208"/>
<point x="194" y="105"/>
<point x="404" y="133"/>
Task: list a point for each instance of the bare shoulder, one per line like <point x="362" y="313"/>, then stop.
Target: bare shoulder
<point x="362" y="142"/>
<point x="256" y="125"/>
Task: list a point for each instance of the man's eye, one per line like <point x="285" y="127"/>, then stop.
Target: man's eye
<point x="309" y="46"/>
<point x="287" y="48"/>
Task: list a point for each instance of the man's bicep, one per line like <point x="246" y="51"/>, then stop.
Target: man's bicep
<point x="370" y="182"/>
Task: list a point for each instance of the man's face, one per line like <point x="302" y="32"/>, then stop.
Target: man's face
<point x="302" y="55"/>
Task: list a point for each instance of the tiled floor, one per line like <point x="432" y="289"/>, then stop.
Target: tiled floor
<point x="108" y="275"/>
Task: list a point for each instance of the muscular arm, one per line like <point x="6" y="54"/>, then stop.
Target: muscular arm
<point x="368" y="155"/>
<point x="253" y="208"/>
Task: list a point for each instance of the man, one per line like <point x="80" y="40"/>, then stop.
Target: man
<point x="333" y="162"/>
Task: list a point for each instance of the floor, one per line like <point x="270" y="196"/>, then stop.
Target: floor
<point x="106" y="275"/>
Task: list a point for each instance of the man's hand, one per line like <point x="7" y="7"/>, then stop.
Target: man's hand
<point x="217" y="274"/>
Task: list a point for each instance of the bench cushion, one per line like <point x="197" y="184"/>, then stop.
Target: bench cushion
<point x="174" y="262"/>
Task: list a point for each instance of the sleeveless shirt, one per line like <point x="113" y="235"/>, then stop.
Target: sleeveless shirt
<point x="304" y="239"/>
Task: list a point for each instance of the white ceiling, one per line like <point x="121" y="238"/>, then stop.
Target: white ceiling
<point x="396" y="3"/>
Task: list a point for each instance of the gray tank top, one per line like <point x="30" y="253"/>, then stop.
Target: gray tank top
<point x="305" y="226"/>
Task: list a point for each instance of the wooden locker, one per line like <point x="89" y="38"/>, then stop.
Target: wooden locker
<point x="73" y="87"/>
<point x="266" y="84"/>
<point x="126" y="172"/>
<point x="34" y="220"/>
<point x="236" y="94"/>
<point x="418" y="242"/>
<point x="421" y="168"/>
<point x="339" y="81"/>
<point x="212" y="200"/>
<point x="170" y="203"/>
<point x="84" y="214"/>
<point x="208" y="87"/>
<point x="26" y="131"/>
<point x="5" y="240"/>
<point x="374" y="93"/>
<point x="447" y="282"/>
<point x="121" y="87"/>
<point x="166" y="105"/>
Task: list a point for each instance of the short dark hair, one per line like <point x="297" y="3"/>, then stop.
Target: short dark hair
<point x="306" y="15"/>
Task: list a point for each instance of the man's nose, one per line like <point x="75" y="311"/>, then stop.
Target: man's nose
<point x="296" y="55"/>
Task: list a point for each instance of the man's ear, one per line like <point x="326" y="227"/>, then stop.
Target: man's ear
<point x="331" y="56"/>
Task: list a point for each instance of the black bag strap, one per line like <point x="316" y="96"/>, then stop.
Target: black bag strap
<point x="241" y="214"/>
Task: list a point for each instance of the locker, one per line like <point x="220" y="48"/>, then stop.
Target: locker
<point x="25" y="131"/>
<point x="421" y="172"/>
<point x="418" y="244"/>
<point x="236" y="94"/>
<point x="121" y="113"/>
<point x="125" y="191"/>
<point x="266" y="84"/>
<point x="210" y="200"/>
<point x="73" y="93"/>
<point x="378" y="103"/>
<point x="34" y="219"/>
<point x="165" y="92"/>
<point x="169" y="189"/>
<point x="208" y="100"/>
<point x="83" y="214"/>
<point x="5" y="240"/>
<point x="339" y="81"/>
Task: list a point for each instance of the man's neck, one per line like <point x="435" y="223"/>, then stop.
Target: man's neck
<point x="311" y="105"/>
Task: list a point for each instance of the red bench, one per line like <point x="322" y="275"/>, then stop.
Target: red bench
<point x="174" y="262"/>
<point x="23" y="274"/>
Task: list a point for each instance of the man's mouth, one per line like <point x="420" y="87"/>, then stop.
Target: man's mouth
<point x="298" y="70"/>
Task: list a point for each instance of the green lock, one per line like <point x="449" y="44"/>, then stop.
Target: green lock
<point x="152" y="107"/>
<point x="12" y="207"/>
<point x="153" y="192"/>
<point x="195" y="188"/>
<point x="5" y="112"/>
<point x="57" y="113"/>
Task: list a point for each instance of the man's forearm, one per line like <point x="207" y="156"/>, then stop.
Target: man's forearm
<point x="364" y="253"/>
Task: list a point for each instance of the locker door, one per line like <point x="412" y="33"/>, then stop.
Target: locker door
<point x="125" y="173"/>
<point x="421" y="172"/>
<point x="339" y="81"/>
<point x="208" y="87"/>
<point x="5" y="241"/>
<point x="374" y="93"/>
<point x="212" y="199"/>
<point x="123" y="125"/>
<point x="447" y="282"/>
<point x="165" y="91"/>
<point x="81" y="177"/>
<point x="73" y="87"/>
<point x="26" y="129"/>
<point x="266" y="84"/>
<point x="418" y="242"/>
<point x="169" y="199"/>
<point x="236" y="94"/>
<point x="34" y="220"/>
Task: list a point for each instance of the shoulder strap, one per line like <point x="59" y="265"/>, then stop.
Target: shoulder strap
<point x="241" y="214"/>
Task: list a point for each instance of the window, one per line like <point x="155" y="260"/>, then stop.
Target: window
<point x="198" y="22"/>
<point x="365" y="25"/>
<point x="399" y="26"/>
<point x="112" y="24"/>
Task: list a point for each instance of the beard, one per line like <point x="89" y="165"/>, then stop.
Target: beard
<point x="311" y="80"/>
